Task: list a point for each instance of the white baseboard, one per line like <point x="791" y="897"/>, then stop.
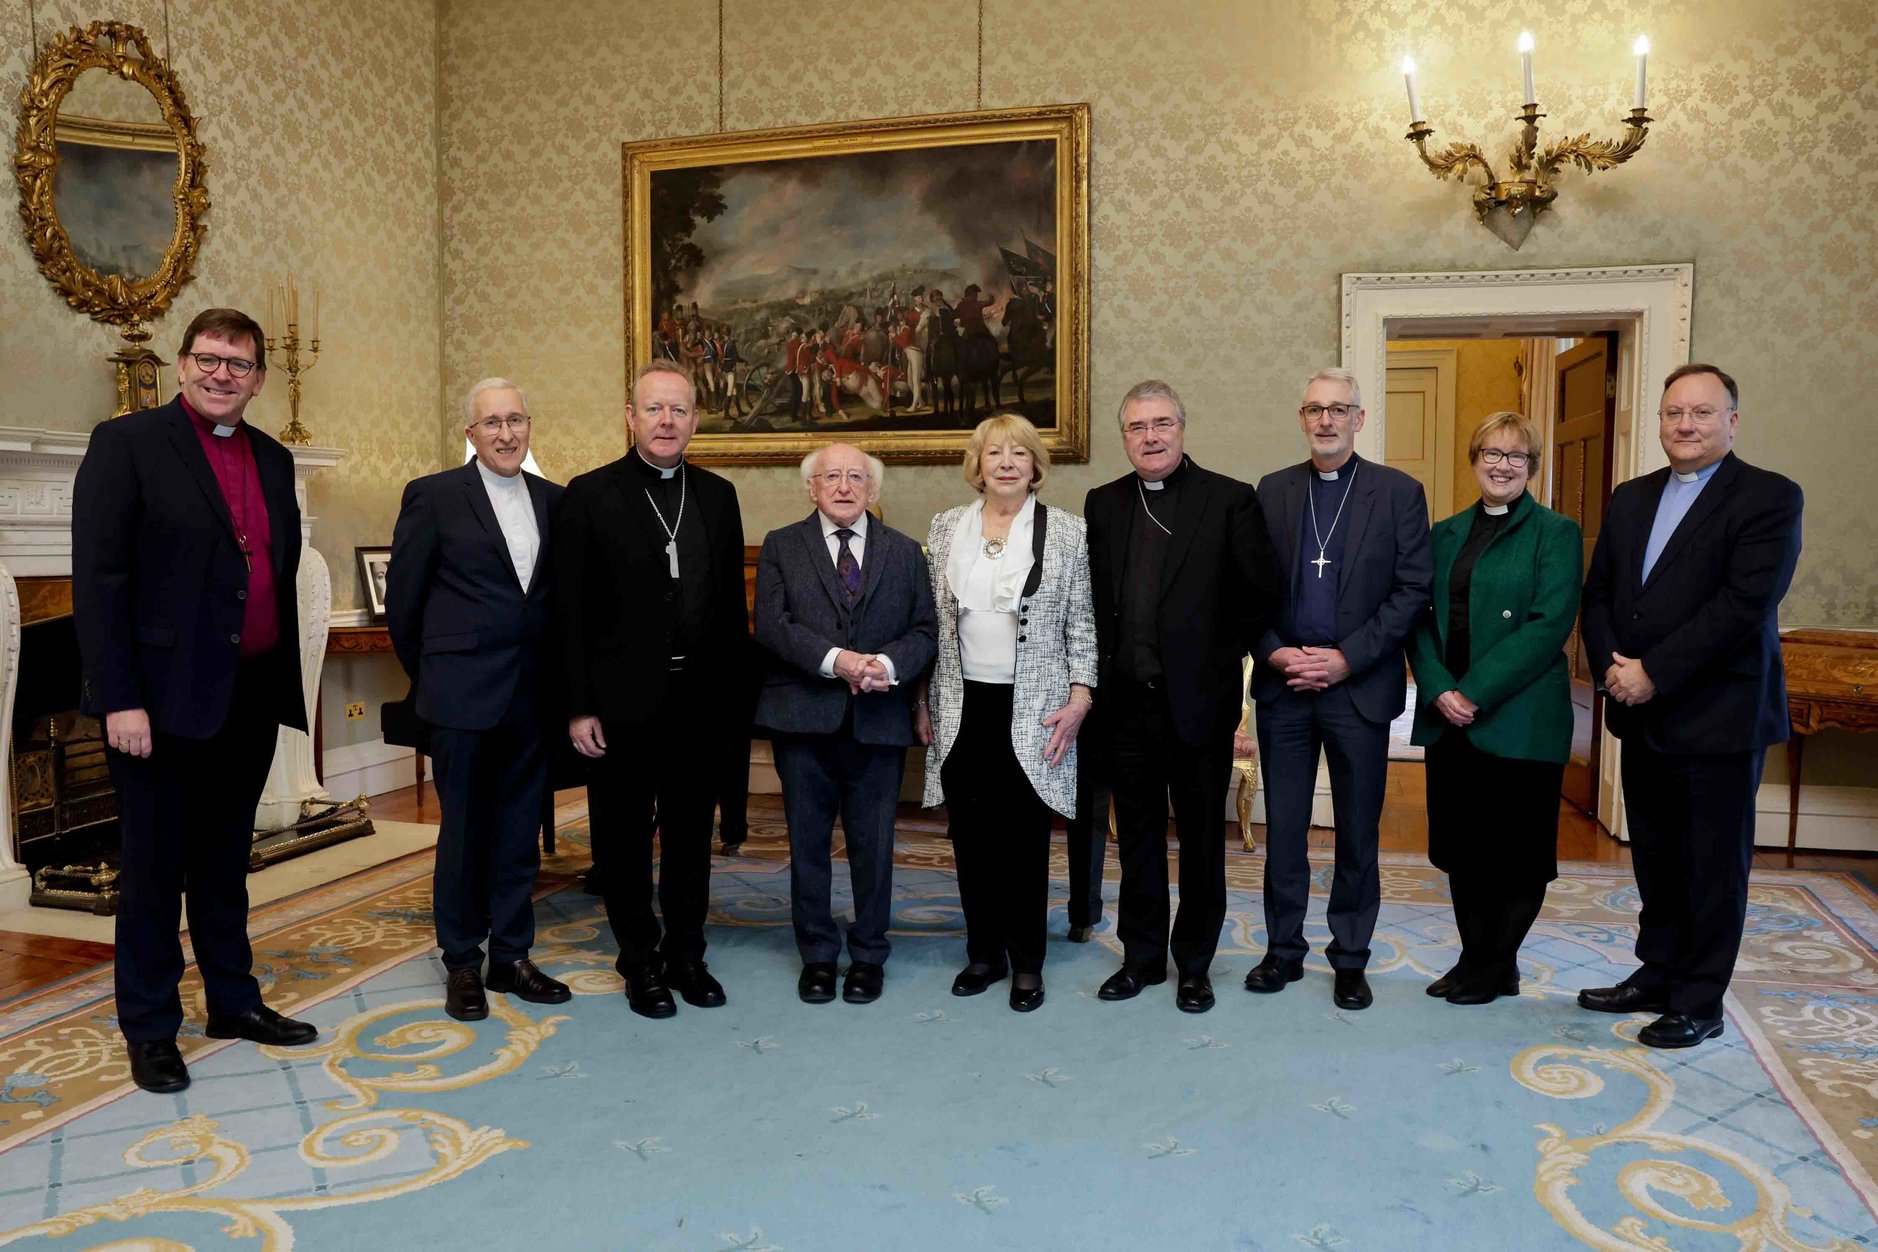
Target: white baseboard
<point x="1832" y="819"/>
<point x="371" y="768"/>
<point x="351" y="617"/>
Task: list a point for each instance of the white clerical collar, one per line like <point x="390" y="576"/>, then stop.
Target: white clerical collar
<point x="223" y="432"/>
<point x="493" y="479"/>
<point x="1693" y="476"/>
<point x="830" y="525"/>
<point x="1159" y="484"/>
<point x="1329" y="476"/>
<point x="660" y="470"/>
<point x="1495" y="510"/>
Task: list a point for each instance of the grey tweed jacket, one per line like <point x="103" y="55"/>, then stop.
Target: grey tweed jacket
<point x="1056" y="647"/>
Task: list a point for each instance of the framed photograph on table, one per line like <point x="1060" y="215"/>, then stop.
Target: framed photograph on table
<point x="373" y="564"/>
<point x="887" y="282"/>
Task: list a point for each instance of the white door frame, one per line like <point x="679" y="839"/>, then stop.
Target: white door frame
<point x="1653" y="300"/>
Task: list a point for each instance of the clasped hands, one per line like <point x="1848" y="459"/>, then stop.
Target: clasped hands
<point x="862" y="671"/>
<point x="1311" y="669"/>
<point x="1626" y="682"/>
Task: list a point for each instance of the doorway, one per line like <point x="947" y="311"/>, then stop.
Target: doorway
<point x="1639" y="314"/>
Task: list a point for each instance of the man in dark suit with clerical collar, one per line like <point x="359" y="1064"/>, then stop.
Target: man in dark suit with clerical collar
<point x="185" y="547"/>
<point x="1330" y="675"/>
<point x="654" y="632"/>
<point x="1184" y="582"/>
<point x="467" y="603"/>
<point x="1681" y="622"/>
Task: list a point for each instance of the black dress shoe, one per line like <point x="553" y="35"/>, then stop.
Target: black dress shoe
<point x="693" y="981"/>
<point x="1351" y="990"/>
<point x="1080" y="934"/>
<point x="1440" y="987"/>
<point x="1194" y="995"/>
<point x="1482" y="991"/>
<point x="862" y="985"/>
<point x="463" y="996"/>
<point x="817" y="983"/>
<point x="975" y="977"/>
<point x="1679" y="1030"/>
<point x="731" y="847"/>
<point x="1624" y="998"/>
<point x="1126" y="983"/>
<point x="157" y="1066"/>
<point x="646" y="992"/>
<point x="524" y="981"/>
<point x="261" y="1024"/>
<point x="1024" y="999"/>
<point x="1274" y="973"/>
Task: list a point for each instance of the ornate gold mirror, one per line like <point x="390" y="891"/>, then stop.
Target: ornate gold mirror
<point x="111" y="186"/>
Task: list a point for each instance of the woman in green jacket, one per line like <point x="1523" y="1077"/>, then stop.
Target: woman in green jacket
<point x="1493" y="705"/>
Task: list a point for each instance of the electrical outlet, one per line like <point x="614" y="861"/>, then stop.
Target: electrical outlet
<point x="355" y="710"/>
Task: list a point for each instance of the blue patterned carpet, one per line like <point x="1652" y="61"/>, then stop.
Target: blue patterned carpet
<point x="931" y="1122"/>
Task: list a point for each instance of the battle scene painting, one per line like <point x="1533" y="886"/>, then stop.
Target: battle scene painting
<point x="887" y="295"/>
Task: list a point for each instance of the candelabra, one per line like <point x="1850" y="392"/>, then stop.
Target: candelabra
<point x="1507" y="207"/>
<point x="286" y="350"/>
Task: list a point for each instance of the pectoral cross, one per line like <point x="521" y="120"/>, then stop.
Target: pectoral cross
<point x="247" y="558"/>
<point x="671" y="554"/>
<point x="1320" y="562"/>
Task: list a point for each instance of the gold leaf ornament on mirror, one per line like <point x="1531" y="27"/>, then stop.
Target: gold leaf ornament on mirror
<point x="111" y="185"/>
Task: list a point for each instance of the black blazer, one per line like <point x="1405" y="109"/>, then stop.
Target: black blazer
<point x="1383" y="587"/>
<point x="1219" y="590"/>
<point x="614" y="609"/>
<point x="1706" y="624"/>
<point x="159" y="583"/>
<point x="802" y="612"/>
<point x="459" y="621"/>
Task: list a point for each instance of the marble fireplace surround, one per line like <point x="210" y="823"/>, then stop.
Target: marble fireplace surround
<point x="36" y="472"/>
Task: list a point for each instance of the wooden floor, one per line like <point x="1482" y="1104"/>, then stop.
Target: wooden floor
<point x="29" y="961"/>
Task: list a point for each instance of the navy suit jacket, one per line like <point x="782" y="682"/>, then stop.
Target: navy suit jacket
<point x="460" y="623"/>
<point x="1383" y="585"/>
<point x="801" y="612"/>
<point x="1706" y="624"/>
<point x="159" y="582"/>
<point x="1219" y="589"/>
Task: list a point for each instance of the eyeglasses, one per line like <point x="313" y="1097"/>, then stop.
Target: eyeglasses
<point x="834" y="478"/>
<point x="208" y="363"/>
<point x="1706" y="413"/>
<point x="493" y="426"/>
<point x="1493" y="456"/>
<point x="1160" y="426"/>
<point x="1338" y="412"/>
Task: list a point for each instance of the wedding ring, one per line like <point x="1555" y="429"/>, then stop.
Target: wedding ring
<point x="123" y="745"/>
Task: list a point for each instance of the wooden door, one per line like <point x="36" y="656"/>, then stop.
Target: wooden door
<point x="1580" y="455"/>
<point x="1418" y="430"/>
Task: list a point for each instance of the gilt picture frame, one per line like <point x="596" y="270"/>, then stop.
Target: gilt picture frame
<point x="887" y="283"/>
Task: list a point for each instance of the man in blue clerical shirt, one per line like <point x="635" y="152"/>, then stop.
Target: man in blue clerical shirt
<point x="1681" y="623"/>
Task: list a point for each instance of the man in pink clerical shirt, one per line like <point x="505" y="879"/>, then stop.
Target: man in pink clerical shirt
<point x="185" y="546"/>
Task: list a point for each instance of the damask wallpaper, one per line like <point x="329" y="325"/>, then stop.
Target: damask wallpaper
<point x="1244" y="156"/>
<point x="448" y="171"/>
<point x="318" y="119"/>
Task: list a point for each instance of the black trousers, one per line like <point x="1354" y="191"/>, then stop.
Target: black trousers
<point x="1293" y="728"/>
<point x="1149" y="766"/>
<point x="1000" y="835"/>
<point x="658" y="774"/>
<point x="1494" y="917"/>
<point x="824" y="776"/>
<point x="1088" y="838"/>
<point x="490" y="788"/>
<point x="1691" y="824"/>
<point x="185" y="817"/>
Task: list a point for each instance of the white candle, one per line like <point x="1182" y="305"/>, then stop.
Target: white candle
<point x="1525" y="62"/>
<point x="1408" y="76"/>
<point x="1642" y="49"/>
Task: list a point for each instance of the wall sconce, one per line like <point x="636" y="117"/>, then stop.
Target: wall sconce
<point x="1508" y="207"/>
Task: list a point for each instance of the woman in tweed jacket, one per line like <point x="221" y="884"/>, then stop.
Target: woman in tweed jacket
<point x="1009" y="691"/>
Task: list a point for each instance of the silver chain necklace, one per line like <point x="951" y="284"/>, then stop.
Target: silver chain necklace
<point x="1322" y="541"/>
<point x="671" y="532"/>
<point x="1142" y="492"/>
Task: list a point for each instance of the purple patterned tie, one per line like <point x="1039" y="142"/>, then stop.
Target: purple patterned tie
<point x="847" y="569"/>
